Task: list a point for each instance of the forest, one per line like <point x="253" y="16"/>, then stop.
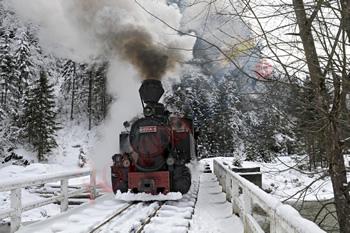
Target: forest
<point x="301" y="107"/>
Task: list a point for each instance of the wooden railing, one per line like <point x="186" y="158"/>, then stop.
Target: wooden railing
<point x="252" y="203"/>
<point x="15" y="187"/>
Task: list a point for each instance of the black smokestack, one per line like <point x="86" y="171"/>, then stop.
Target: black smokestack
<point x="152" y="60"/>
<point x="151" y="91"/>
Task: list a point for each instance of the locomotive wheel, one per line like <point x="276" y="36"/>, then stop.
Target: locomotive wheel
<point x="181" y="179"/>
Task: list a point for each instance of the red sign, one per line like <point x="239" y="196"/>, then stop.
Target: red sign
<point x="148" y="129"/>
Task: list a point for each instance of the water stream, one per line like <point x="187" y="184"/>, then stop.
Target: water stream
<point x="4" y="228"/>
<point x="326" y="218"/>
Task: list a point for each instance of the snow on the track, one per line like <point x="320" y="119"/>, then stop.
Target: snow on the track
<point x="131" y="219"/>
<point x="147" y="197"/>
<point x="175" y="216"/>
<point x="213" y="214"/>
<point x="78" y="220"/>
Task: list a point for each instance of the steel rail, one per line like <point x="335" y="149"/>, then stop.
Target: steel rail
<point x="149" y="218"/>
<point x="98" y="227"/>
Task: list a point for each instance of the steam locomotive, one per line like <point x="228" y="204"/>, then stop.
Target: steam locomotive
<point x="154" y="149"/>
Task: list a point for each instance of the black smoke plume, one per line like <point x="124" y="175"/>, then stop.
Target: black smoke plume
<point x="151" y="60"/>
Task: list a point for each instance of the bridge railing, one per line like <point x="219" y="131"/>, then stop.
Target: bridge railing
<point x="15" y="187"/>
<point x="259" y="211"/>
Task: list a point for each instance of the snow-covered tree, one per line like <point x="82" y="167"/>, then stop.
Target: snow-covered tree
<point x="101" y="99"/>
<point x="70" y="78"/>
<point x="226" y="113"/>
<point x="85" y="88"/>
<point x="40" y="117"/>
<point x="9" y="75"/>
<point x="212" y="103"/>
<point x="24" y="64"/>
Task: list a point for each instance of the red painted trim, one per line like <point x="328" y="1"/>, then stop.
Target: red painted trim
<point x="161" y="180"/>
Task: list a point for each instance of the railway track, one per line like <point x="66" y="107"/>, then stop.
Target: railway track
<point x="100" y="226"/>
<point x="146" y="217"/>
<point x="148" y="220"/>
<point x="120" y="217"/>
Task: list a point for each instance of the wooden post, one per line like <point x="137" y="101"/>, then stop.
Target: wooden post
<point x="16" y="206"/>
<point x="64" y="193"/>
<point x="93" y="185"/>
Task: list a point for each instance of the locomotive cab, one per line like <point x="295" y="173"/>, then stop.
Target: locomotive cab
<point x="154" y="152"/>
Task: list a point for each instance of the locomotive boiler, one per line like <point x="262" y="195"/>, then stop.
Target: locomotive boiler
<point x="154" y="149"/>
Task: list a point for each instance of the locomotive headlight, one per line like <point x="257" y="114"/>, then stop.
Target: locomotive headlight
<point x="170" y="161"/>
<point x="148" y="111"/>
<point x="126" y="163"/>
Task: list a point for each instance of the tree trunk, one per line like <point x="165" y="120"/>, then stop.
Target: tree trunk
<point x="345" y="5"/>
<point x="309" y="152"/>
<point x="311" y="55"/>
<point x="90" y="97"/>
<point x="104" y="99"/>
<point x="73" y="92"/>
<point x="2" y="100"/>
<point x="335" y="157"/>
<point x="5" y="95"/>
<point x="337" y="172"/>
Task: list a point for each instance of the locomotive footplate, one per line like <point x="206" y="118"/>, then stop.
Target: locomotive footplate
<point x="150" y="182"/>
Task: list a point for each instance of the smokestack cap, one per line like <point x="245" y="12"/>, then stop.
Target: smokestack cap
<point x="151" y="90"/>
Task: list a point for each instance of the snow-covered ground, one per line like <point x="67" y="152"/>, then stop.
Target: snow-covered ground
<point x="64" y="158"/>
<point x="36" y="169"/>
<point x="73" y="137"/>
<point x="283" y="179"/>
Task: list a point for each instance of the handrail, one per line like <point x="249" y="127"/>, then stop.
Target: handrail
<point x="15" y="186"/>
<point x="246" y="198"/>
<point x="41" y="179"/>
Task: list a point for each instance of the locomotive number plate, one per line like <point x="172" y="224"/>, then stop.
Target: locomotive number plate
<point x="148" y="129"/>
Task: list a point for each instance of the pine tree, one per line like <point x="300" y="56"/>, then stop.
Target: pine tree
<point x="24" y="64"/>
<point x="70" y="79"/>
<point x="86" y="87"/>
<point x="225" y="118"/>
<point x="24" y="70"/>
<point x="269" y="122"/>
<point x="9" y="76"/>
<point x="261" y="143"/>
<point x="193" y="97"/>
<point x="40" y="123"/>
<point x="101" y="99"/>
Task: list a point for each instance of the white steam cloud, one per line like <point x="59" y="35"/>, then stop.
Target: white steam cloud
<point x="82" y="30"/>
